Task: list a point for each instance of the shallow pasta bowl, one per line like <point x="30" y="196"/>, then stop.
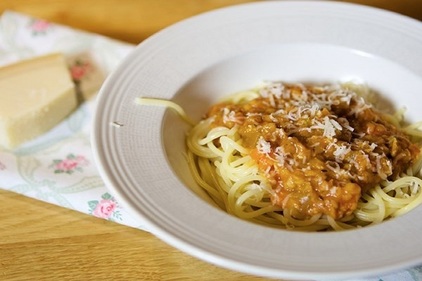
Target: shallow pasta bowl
<point x="141" y="151"/>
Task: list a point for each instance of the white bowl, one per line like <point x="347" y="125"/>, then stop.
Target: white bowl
<point x="201" y="59"/>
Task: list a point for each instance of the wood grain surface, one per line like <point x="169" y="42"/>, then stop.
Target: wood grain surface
<point x="39" y="241"/>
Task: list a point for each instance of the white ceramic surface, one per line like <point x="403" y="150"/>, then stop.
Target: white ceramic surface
<point x="199" y="60"/>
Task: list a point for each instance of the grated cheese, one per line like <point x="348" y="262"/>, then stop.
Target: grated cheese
<point x="280" y="155"/>
<point x="263" y="146"/>
<point x="329" y="126"/>
<point x="230" y="116"/>
<point x="341" y="152"/>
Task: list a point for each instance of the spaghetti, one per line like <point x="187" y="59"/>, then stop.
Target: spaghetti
<point x="306" y="158"/>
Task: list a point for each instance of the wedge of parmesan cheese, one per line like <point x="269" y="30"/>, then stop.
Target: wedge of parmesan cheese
<point x="35" y="95"/>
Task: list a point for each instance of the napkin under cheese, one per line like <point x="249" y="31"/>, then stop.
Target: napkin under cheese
<point x="58" y="166"/>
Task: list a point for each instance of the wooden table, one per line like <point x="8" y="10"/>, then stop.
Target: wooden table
<point x="40" y="241"/>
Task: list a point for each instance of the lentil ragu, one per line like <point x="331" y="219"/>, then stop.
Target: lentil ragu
<point x="320" y="147"/>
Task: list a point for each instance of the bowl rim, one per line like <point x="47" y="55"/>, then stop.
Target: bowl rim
<point x="106" y="155"/>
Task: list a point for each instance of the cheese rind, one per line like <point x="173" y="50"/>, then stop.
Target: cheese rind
<point x="35" y="95"/>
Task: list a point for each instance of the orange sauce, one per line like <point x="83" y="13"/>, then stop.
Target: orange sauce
<point x="319" y="147"/>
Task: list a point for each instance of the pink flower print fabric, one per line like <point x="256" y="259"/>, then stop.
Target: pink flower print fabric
<point x="70" y="164"/>
<point x="106" y="208"/>
<point x="39" y="26"/>
<point x="58" y="167"/>
<point x="80" y="69"/>
<point x="2" y="166"/>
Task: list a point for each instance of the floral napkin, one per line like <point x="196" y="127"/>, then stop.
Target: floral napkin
<point x="58" y="167"/>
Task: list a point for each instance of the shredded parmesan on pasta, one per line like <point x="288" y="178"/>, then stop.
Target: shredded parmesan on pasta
<point x="305" y="157"/>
